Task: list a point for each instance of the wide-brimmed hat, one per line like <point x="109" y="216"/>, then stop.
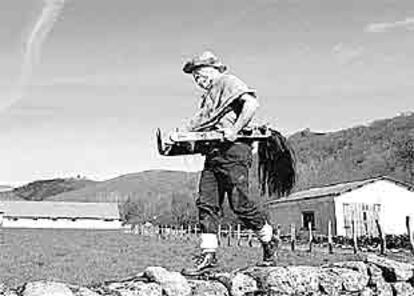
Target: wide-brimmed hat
<point x="206" y="59"/>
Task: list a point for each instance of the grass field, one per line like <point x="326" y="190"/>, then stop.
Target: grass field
<point x="89" y="257"/>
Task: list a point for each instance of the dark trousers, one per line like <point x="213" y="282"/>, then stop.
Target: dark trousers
<point x="226" y="172"/>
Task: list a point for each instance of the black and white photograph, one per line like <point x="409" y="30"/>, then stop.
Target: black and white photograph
<point x="207" y="148"/>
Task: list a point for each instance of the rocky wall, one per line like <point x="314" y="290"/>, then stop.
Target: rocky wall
<point x="374" y="276"/>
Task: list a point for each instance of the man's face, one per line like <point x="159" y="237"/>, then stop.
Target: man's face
<point x="204" y="76"/>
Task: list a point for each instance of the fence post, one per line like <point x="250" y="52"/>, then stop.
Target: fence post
<point x="195" y="230"/>
<point x="292" y="236"/>
<point x="409" y="232"/>
<point x="310" y="236"/>
<point x="219" y="235"/>
<point x="250" y="239"/>
<point x="330" y="242"/>
<point x="188" y="231"/>
<point x="229" y="236"/>
<point x="382" y="237"/>
<point x="354" y="237"/>
<point x="238" y="235"/>
<point x="277" y="234"/>
<point x="174" y="231"/>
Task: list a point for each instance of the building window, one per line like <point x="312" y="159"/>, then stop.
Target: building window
<point x="308" y="217"/>
<point x="377" y="211"/>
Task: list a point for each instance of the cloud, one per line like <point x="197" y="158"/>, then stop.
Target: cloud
<point x="404" y="25"/>
<point x="347" y="54"/>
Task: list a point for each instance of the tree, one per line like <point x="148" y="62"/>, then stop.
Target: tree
<point x="135" y="210"/>
<point x="404" y="154"/>
<point x="183" y="210"/>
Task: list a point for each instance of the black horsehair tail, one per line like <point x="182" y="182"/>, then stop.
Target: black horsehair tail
<point x="277" y="173"/>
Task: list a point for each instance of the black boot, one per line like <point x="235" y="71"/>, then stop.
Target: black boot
<point x="269" y="252"/>
<point x="204" y="263"/>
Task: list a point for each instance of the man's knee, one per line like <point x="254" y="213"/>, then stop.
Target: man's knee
<point x="208" y="218"/>
<point x="240" y="199"/>
<point x="207" y="207"/>
<point x="207" y="212"/>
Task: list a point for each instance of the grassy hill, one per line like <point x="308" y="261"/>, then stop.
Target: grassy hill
<point x="385" y="147"/>
<point x="6" y="193"/>
<point x="42" y="189"/>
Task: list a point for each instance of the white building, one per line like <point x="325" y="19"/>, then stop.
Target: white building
<point x="50" y="214"/>
<point x="6" y="188"/>
<point x="363" y="202"/>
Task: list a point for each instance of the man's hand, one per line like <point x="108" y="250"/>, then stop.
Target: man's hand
<point x="230" y="134"/>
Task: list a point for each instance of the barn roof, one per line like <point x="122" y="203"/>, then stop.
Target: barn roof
<point x="335" y="189"/>
<point x="4" y="188"/>
<point x="50" y="209"/>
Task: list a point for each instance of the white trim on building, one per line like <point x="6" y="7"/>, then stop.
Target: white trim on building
<point x="51" y="214"/>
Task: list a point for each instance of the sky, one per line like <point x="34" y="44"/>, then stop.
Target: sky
<point x="109" y="73"/>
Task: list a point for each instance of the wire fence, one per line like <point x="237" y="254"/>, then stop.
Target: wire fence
<point x="235" y="235"/>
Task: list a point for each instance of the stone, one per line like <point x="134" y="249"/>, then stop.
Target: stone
<point x="376" y="281"/>
<point x="329" y="281"/>
<point x="379" y="276"/>
<point x="172" y="283"/>
<point x="352" y="281"/>
<point x="10" y="293"/>
<point x="5" y="291"/>
<point x="224" y="278"/>
<point x="374" y="273"/>
<point x="366" y="292"/>
<point x="292" y="280"/>
<point x="45" y="288"/>
<point x="277" y="280"/>
<point x="208" y="288"/>
<point x="304" y="279"/>
<point x="354" y="275"/>
<point x="3" y="288"/>
<point x="383" y="289"/>
<point x="135" y="288"/>
<point x="393" y="271"/>
<point x="402" y="289"/>
<point x="82" y="291"/>
<point x="354" y="265"/>
<point x="243" y="284"/>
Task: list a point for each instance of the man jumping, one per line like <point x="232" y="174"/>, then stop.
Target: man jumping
<point x="229" y="105"/>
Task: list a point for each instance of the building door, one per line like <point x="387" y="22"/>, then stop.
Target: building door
<point x="308" y="218"/>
